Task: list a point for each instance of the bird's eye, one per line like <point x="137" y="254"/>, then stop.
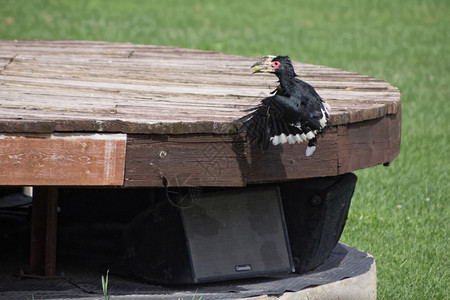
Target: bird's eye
<point x="275" y="64"/>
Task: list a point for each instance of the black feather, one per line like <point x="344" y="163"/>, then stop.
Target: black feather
<point x="295" y="108"/>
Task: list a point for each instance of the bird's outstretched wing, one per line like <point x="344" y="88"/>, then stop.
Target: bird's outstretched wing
<point x="274" y="119"/>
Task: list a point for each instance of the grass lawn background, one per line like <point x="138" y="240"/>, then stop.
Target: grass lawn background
<point x="399" y="214"/>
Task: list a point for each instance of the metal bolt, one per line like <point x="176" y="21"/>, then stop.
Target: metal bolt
<point x="315" y="200"/>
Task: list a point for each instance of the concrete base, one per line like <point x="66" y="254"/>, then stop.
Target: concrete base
<point x="362" y="287"/>
<point x="356" y="288"/>
<point x="347" y="274"/>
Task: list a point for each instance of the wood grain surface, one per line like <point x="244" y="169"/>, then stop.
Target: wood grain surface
<point x="184" y="102"/>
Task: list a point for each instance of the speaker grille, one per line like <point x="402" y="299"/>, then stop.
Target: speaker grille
<point x="237" y="234"/>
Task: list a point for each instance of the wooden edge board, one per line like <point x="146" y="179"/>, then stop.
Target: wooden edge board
<point x="227" y="160"/>
<point x="62" y="159"/>
<point x="190" y="160"/>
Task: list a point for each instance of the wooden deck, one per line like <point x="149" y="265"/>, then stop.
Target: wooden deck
<point x="112" y="114"/>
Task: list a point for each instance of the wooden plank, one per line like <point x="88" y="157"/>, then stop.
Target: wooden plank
<point x="62" y="159"/>
<point x="44" y="231"/>
<point x="74" y="102"/>
<point x="144" y="115"/>
<point x="126" y="70"/>
<point x="287" y="162"/>
<point x="174" y="87"/>
<point x="368" y="143"/>
<point x="218" y="160"/>
<point x="395" y="134"/>
<point x="184" y="160"/>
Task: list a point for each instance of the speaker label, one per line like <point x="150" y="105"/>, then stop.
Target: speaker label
<point x="243" y="268"/>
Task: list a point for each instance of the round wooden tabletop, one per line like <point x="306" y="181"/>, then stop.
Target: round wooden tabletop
<point x="176" y="109"/>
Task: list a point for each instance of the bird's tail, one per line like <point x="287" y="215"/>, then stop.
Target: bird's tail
<point x="311" y="147"/>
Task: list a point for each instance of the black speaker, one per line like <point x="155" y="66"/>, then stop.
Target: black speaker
<point x="316" y="211"/>
<point x="230" y="234"/>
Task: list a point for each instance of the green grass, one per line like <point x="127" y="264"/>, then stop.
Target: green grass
<point x="106" y="293"/>
<point x="399" y="214"/>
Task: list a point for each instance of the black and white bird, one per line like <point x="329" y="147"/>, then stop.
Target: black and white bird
<point x="295" y="113"/>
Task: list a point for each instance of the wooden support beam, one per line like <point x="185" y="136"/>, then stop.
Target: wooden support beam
<point x="43" y="231"/>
